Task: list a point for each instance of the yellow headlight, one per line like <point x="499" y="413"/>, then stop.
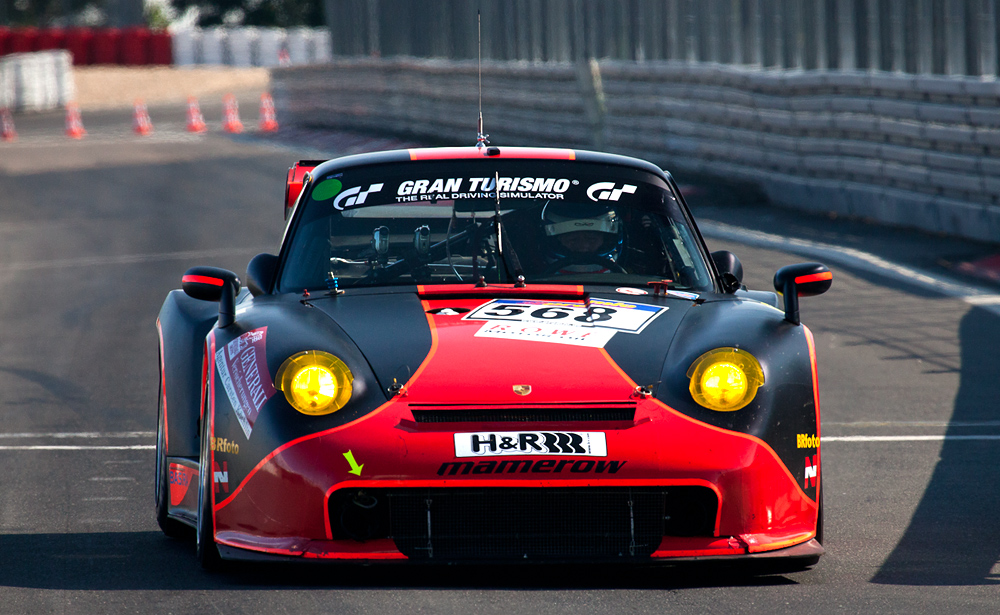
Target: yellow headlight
<point x="315" y="382"/>
<point x="725" y="379"/>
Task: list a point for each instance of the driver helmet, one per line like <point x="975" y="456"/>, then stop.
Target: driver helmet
<point x="582" y="229"/>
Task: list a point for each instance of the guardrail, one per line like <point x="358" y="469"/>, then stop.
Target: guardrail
<point x="916" y="151"/>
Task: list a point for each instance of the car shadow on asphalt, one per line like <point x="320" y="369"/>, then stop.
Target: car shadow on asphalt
<point x="953" y="537"/>
<point x="150" y="561"/>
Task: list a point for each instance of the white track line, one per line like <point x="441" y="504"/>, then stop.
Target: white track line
<point x="81" y="434"/>
<point x="939" y="438"/>
<point x="849" y="257"/>
<point x="913" y="423"/>
<point x="43" y="447"/>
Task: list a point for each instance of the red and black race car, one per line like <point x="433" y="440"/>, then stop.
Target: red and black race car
<point x="489" y="355"/>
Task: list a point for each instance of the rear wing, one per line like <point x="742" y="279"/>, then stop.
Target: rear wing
<point x="296" y="179"/>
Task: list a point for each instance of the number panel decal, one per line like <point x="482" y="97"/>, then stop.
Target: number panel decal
<point x="563" y="322"/>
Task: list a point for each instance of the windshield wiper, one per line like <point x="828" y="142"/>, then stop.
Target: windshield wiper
<point x="502" y="246"/>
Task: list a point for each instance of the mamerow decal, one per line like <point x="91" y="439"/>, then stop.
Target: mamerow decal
<point x="524" y="466"/>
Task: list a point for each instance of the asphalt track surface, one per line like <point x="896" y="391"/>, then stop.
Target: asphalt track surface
<point x="93" y="234"/>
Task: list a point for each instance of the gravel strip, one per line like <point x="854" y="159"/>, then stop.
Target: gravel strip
<point x="111" y="87"/>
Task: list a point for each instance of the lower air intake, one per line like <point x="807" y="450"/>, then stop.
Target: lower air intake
<point x="521" y="524"/>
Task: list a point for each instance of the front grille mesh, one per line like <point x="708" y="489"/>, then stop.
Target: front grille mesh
<point x="468" y="524"/>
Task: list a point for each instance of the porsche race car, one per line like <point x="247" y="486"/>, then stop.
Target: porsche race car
<point x="489" y="354"/>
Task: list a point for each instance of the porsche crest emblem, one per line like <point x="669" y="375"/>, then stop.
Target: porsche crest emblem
<point x="522" y="389"/>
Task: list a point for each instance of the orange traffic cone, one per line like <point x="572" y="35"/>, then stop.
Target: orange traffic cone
<point x="7" y="122"/>
<point x="268" y="123"/>
<point x="195" y="121"/>
<point x="141" y="123"/>
<point x="74" y="124"/>
<point x="231" y="119"/>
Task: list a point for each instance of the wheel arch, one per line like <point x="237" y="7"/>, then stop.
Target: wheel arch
<point x="183" y="323"/>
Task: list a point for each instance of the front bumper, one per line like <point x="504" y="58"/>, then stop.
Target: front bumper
<point x="804" y="554"/>
<point x="669" y="488"/>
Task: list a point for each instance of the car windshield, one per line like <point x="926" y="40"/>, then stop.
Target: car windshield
<point x="446" y="222"/>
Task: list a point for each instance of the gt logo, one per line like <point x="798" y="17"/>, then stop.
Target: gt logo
<point x="608" y="192"/>
<point x="354" y="196"/>
<point x="812" y="471"/>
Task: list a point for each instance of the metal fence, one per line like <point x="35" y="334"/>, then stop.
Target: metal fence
<point x="945" y="37"/>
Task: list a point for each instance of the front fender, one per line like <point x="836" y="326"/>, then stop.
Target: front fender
<point x="785" y="412"/>
<point x="275" y="328"/>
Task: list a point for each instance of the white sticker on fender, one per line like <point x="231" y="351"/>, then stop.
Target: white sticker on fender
<point x="563" y="322"/>
<point x="498" y="443"/>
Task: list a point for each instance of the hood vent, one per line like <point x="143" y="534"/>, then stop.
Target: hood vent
<point x="524" y="414"/>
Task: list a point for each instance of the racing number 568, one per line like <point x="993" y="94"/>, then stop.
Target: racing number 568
<point x="550" y="312"/>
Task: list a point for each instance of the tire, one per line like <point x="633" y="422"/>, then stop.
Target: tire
<point x="171" y="527"/>
<point x="206" y="549"/>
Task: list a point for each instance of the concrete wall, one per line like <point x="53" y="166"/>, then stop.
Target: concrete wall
<point x="911" y="150"/>
<point x="948" y="37"/>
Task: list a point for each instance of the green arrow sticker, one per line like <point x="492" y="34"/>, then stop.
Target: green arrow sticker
<point x="355" y="468"/>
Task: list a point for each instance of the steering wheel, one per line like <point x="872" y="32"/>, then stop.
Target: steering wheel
<point x="583" y="259"/>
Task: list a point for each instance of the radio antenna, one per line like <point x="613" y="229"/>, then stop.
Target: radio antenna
<point x="482" y="139"/>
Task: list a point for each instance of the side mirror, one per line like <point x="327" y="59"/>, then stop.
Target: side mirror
<point x="730" y="269"/>
<point x="260" y="274"/>
<point x="214" y="284"/>
<point x="802" y="280"/>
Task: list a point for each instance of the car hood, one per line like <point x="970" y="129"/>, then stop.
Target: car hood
<point x="594" y="347"/>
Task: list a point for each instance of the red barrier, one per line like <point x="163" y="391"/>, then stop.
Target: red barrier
<point x="24" y="40"/>
<point x="80" y="43"/>
<point x="4" y="40"/>
<point x="161" y="49"/>
<point x="134" y="46"/>
<point x="107" y="46"/>
<point x="51" y="39"/>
